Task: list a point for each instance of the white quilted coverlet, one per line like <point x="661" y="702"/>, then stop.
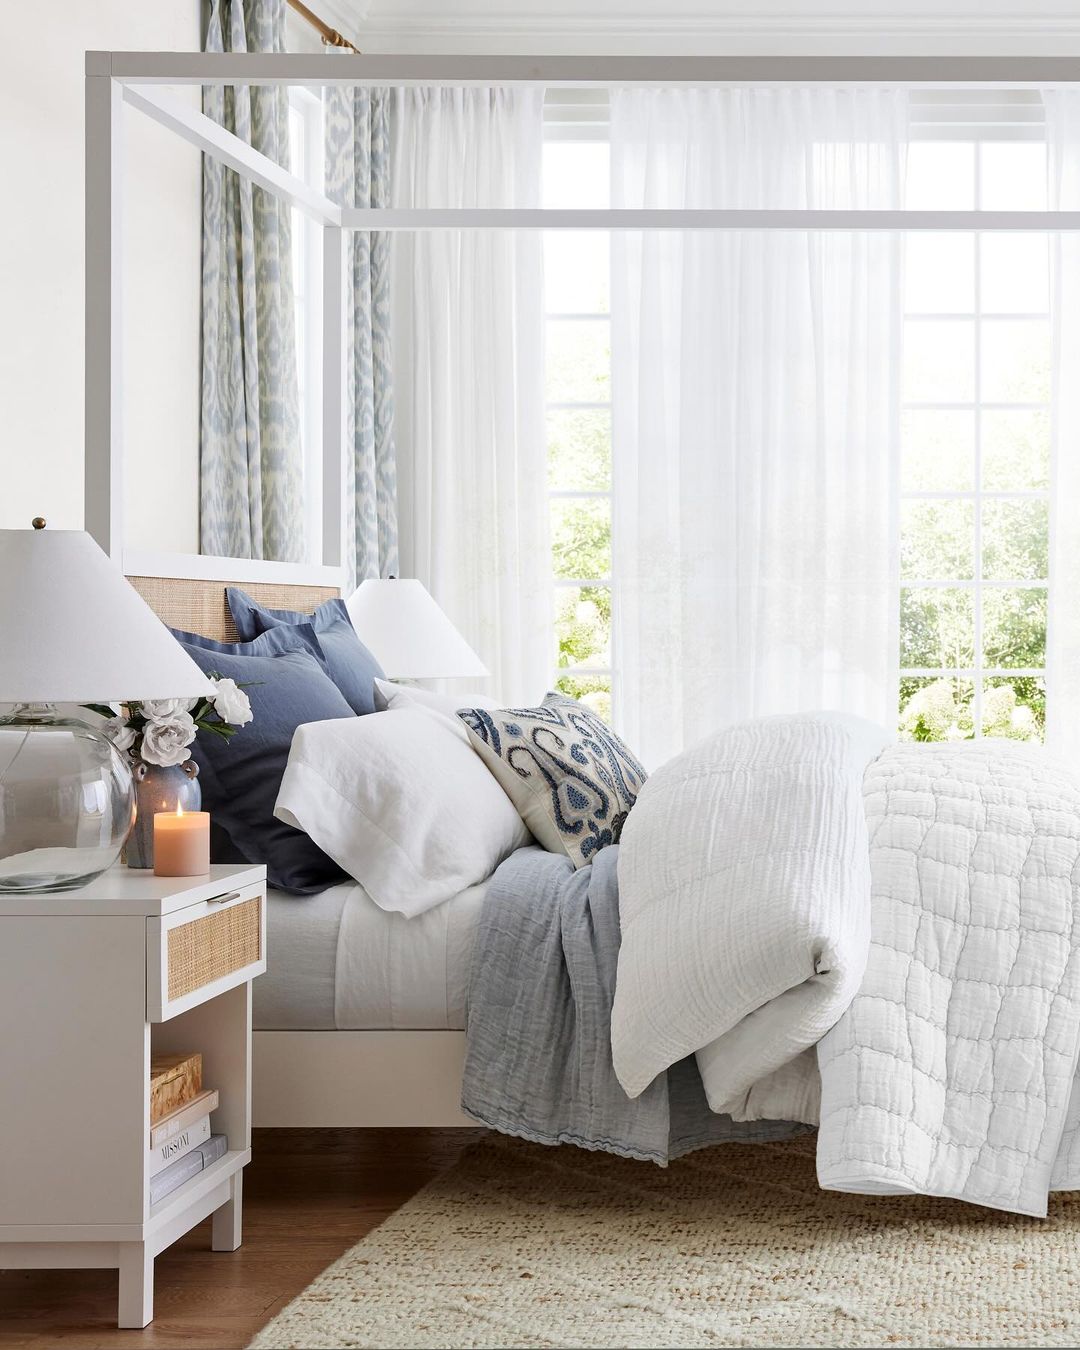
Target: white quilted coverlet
<point x="950" y="1074"/>
<point x="744" y="903"/>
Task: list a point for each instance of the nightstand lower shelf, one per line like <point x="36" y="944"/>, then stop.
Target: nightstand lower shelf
<point x="225" y="1167"/>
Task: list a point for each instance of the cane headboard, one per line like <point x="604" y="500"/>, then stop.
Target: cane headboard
<point x="198" y="606"/>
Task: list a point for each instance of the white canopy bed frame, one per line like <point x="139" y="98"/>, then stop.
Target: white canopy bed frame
<point x="368" y="1078"/>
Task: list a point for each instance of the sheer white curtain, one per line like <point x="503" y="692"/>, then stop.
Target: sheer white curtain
<point x="1063" y="619"/>
<point x="468" y="376"/>
<point x="755" y="384"/>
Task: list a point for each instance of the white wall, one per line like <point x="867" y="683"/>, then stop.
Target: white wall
<point x="300" y="36"/>
<point x="41" y="274"/>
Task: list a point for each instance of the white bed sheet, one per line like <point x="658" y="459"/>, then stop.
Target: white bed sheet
<point x="404" y="974"/>
<point x="337" y="961"/>
<point x="296" y="992"/>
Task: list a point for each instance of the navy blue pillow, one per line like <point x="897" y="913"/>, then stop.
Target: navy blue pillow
<point x="352" y="667"/>
<point x="241" y="777"/>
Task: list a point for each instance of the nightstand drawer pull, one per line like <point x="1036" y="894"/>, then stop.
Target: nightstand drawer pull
<point x="214" y="946"/>
<point x="223" y="899"/>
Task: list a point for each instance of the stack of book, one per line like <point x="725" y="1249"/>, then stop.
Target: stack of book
<point x="181" y="1143"/>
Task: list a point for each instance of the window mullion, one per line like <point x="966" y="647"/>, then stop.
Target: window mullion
<point x="960" y="494"/>
<point x="977" y="696"/>
<point x="569" y="304"/>
<point x="954" y="584"/>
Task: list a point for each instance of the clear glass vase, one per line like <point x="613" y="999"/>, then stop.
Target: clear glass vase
<point x="66" y="801"/>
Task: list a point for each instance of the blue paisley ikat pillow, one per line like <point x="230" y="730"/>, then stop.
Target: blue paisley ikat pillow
<point x="571" y="778"/>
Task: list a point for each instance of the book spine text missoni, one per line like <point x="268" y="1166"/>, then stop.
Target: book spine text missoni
<point x="180" y="1144"/>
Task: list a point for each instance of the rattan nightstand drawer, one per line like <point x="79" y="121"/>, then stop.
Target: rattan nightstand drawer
<point x="208" y="949"/>
<point x="200" y="952"/>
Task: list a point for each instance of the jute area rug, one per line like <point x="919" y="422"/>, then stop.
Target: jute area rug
<point x="521" y="1245"/>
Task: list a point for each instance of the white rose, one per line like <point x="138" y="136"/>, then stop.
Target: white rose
<point x="164" y="709"/>
<point x="119" y="732"/>
<point x="231" y="704"/>
<point x="166" y="743"/>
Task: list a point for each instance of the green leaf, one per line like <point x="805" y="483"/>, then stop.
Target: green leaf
<point x="221" y="729"/>
<point x="102" y="709"/>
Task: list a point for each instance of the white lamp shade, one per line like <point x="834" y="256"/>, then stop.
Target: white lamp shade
<point x="73" y="629"/>
<point x="409" y="634"/>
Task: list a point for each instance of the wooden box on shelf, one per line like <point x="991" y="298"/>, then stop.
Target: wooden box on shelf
<point x="174" y="1080"/>
<point x="84" y="978"/>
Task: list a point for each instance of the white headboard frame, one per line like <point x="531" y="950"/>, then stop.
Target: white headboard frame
<point x="235" y="571"/>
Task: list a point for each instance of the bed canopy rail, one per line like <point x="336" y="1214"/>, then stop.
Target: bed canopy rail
<point x="475" y="218"/>
<point x="116" y="79"/>
<point x="206" y="135"/>
<point x="592" y="72"/>
<point x="212" y="138"/>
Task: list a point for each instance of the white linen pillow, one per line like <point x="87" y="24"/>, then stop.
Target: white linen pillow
<point x="390" y="696"/>
<point x="401" y="804"/>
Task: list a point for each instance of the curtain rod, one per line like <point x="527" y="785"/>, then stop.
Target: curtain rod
<point x="329" y="35"/>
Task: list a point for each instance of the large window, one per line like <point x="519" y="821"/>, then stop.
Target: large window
<point x="578" y="383"/>
<point x="975" y="451"/>
<point x="975" y="423"/>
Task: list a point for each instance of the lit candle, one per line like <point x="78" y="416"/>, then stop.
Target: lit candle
<point x="181" y="843"/>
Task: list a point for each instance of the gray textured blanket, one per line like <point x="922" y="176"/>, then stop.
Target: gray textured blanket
<point x="541" y="985"/>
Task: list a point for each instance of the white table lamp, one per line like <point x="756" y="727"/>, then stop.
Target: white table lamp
<point x="409" y="634"/>
<point x="72" y="630"/>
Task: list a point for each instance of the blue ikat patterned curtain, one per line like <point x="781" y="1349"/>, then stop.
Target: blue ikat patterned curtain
<point x="251" y="459"/>
<point x="357" y="130"/>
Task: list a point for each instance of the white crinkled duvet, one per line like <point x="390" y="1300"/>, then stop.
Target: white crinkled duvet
<point x="951" y="1072"/>
<point x="744" y="883"/>
<point x="908" y="911"/>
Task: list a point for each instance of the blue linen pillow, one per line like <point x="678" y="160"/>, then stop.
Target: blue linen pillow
<point x="571" y="778"/>
<point x="352" y="667"/>
<point x="240" y="778"/>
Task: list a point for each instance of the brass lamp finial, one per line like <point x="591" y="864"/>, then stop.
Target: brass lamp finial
<point x="38" y="522"/>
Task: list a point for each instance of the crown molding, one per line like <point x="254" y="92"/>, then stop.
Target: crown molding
<point x="705" y="27"/>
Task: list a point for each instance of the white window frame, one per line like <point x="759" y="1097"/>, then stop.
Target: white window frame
<point x="582" y="116"/>
<point x="975" y="118"/>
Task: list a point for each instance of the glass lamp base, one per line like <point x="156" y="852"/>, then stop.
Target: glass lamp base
<point x="67" y="803"/>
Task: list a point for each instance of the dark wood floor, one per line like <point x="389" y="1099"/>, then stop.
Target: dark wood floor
<point x="308" y="1196"/>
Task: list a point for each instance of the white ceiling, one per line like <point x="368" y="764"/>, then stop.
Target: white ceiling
<point x="973" y="27"/>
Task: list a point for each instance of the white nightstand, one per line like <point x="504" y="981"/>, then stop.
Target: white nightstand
<point x="90" y="980"/>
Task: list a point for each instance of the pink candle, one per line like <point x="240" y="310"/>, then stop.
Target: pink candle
<point x="181" y="843"/>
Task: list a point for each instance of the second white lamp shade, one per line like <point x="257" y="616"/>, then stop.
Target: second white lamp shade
<point x="409" y="634"/>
